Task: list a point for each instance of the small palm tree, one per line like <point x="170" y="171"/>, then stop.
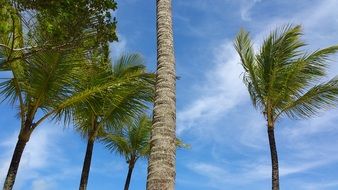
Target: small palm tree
<point x="132" y="142"/>
<point x="282" y="80"/>
<point x="116" y="106"/>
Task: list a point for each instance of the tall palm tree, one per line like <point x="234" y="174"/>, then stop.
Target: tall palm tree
<point x="115" y="107"/>
<point x="131" y="142"/>
<point x="283" y="80"/>
<point x="161" y="168"/>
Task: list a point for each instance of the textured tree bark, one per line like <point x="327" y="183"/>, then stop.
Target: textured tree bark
<point x="86" y="164"/>
<point x="274" y="158"/>
<point x="161" y="168"/>
<point x="130" y="172"/>
<point x="15" y="162"/>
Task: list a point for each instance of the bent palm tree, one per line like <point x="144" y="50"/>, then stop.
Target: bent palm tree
<point x="132" y="142"/>
<point x="283" y="81"/>
<point x="161" y="168"/>
<point x="117" y="106"/>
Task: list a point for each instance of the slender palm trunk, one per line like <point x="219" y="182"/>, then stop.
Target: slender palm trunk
<point x="86" y="164"/>
<point x="130" y="171"/>
<point x="161" y="168"/>
<point x="274" y="158"/>
<point x="23" y="138"/>
<point x="89" y="152"/>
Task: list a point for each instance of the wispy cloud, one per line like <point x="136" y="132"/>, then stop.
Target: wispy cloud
<point x="320" y="185"/>
<point x="118" y="48"/>
<point x="222" y="91"/>
<point x="42" y="153"/>
<point x="246" y="6"/>
<point x="249" y="172"/>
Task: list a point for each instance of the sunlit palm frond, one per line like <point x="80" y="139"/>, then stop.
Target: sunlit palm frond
<point x="132" y="140"/>
<point x="128" y="64"/>
<point x="118" y="144"/>
<point x="243" y="46"/>
<point x="318" y="98"/>
<point x="125" y="90"/>
<point x="280" y="49"/>
<point x="8" y="91"/>
<point x="301" y="74"/>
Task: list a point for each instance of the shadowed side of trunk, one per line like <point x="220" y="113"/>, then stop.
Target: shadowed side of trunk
<point x="274" y="158"/>
<point x="161" y="168"/>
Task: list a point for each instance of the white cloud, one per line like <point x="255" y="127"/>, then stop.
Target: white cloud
<point x="118" y="48"/>
<point x="320" y="185"/>
<point x="249" y="172"/>
<point x="41" y="184"/>
<point x="222" y="91"/>
<point x="305" y="128"/>
<point x="246" y="6"/>
<point x="41" y="152"/>
<point x="324" y="13"/>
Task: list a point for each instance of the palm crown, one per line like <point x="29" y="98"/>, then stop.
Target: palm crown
<point x="133" y="88"/>
<point x="284" y="80"/>
<point x="132" y="141"/>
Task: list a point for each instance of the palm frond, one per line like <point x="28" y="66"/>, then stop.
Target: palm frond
<point x="8" y="91"/>
<point x="243" y="46"/>
<point x="132" y="140"/>
<point x="125" y="89"/>
<point x="279" y="50"/>
<point x="117" y="143"/>
<point x="320" y="97"/>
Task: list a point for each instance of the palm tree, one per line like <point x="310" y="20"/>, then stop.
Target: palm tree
<point x="132" y="142"/>
<point x="43" y="85"/>
<point x="161" y="168"/>
<point x="282" y="80"/>
<point x="113" y="109"/>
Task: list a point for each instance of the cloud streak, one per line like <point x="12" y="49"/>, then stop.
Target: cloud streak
<point x="246" y="6"/>
<point x="222" y="91"/>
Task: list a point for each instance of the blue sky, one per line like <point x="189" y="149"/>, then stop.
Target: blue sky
<point x="229" y="148"/>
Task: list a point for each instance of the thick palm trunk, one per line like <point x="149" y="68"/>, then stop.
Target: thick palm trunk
<point x="274" y="158"/>
<point x="130" y="171"/>
<point x="15" y="162"/>
<point x="161" y="168"/>
<point x="86" y="164"/>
